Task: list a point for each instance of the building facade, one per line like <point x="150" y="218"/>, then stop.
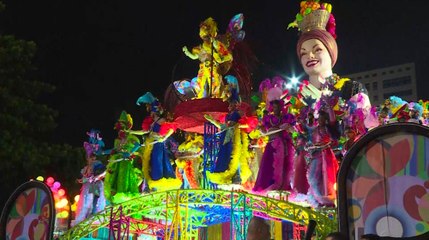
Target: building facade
<point x="399" y="80"/>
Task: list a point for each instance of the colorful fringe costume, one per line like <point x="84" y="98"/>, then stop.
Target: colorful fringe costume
<point x="91" y="197"/>
<point x="276" y="169"/>
<point x="122" y="178"/>
<point x="300" y="182"/>
<point x="189" y="160"/>
<point x="323" y="167"/>
<point x="233" y="154"/>
<point x="157" y="165"/>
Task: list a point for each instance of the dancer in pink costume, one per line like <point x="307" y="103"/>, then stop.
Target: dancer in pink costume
<point x="276" y="167"/>
<point x="305" y="128"/>
<point x="91" y="197"/>
<point x="323" y="165"/>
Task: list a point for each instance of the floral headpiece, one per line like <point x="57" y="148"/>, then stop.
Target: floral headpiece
<point x="416" y="107"/>
<point x="425" y="106"/>
<point x="124" y="122"/>
<point x="95" y="143"/>
<point x="148" y="98"/>
<point x="396" y="105"/>
<point x="272" y="89"/>
<point x="314" y="15"/>
<point x="235" y="27"/>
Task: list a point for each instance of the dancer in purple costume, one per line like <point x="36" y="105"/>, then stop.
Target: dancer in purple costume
<point x="305" y="127"/>
<point x="276" y="167"/>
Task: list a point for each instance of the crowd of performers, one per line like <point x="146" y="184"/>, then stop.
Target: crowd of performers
<point x="290" y="142"/>
<point x="290" y="147"/>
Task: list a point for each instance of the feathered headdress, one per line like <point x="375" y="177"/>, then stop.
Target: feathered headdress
<point x="416" y="107"/>
<point x="148" y="98"/>
<point x="232" y="82"/>
<point x="235" y="27"/>
<point x="125" y="121"/>
<point x="276" y="94"/>
<point x="396" y="104"/>
<point x="95" y="143"/>
<point x="425" y="106"/>
<point x="272" y="89"/>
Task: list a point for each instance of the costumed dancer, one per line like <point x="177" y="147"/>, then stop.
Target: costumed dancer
<point x="157" y="162"/>
<point x="305" y="127"/>
<point x="91" y="197"/>
<point x="276" y="169"/>
<point x="398" y="110"/>
<point x="189" y="158"/>
<point x="323" y="165"/>
<point x="383" y="113"/>
<point x="415" y="111"/>
<point x="425" y="112"/>
<point x="122" y="177"/>
<point x="231" y="163"/>
<point x="258" y="141"/>
<point x="352" y="136"/>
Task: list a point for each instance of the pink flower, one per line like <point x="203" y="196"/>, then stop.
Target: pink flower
<point x="330" y="27"/>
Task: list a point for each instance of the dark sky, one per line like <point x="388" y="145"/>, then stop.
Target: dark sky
<point x="102" y="55"/>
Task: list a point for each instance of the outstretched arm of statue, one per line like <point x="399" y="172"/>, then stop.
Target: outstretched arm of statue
<point x="189" y="54"/>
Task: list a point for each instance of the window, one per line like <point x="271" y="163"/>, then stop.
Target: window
<point x="397" y="82"/>
<point x="374" y="85"/>
<point x="399" y="93"/>
<point x="367" y="86"/>
<point x="374" y="75"/>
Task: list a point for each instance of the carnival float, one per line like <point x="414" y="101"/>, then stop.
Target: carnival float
<point x="216" y="159"/>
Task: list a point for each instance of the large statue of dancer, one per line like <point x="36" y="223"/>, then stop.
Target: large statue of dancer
<point x="122" y="177"/>
<point x="91" y="197"/>
<point x="276" y="169"/>
<point x="326" y="92"/>
<point x="158" y="170"/>
<point x="213" y="55"/>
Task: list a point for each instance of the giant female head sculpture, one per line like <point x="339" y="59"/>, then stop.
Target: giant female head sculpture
<point x="315" y="21"/>
<point x="323" y="36"/>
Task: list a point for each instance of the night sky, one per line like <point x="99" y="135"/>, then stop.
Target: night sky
<point x="103" y="55"/>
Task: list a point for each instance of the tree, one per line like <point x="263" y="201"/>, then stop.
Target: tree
<point x="27" y="124"/>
